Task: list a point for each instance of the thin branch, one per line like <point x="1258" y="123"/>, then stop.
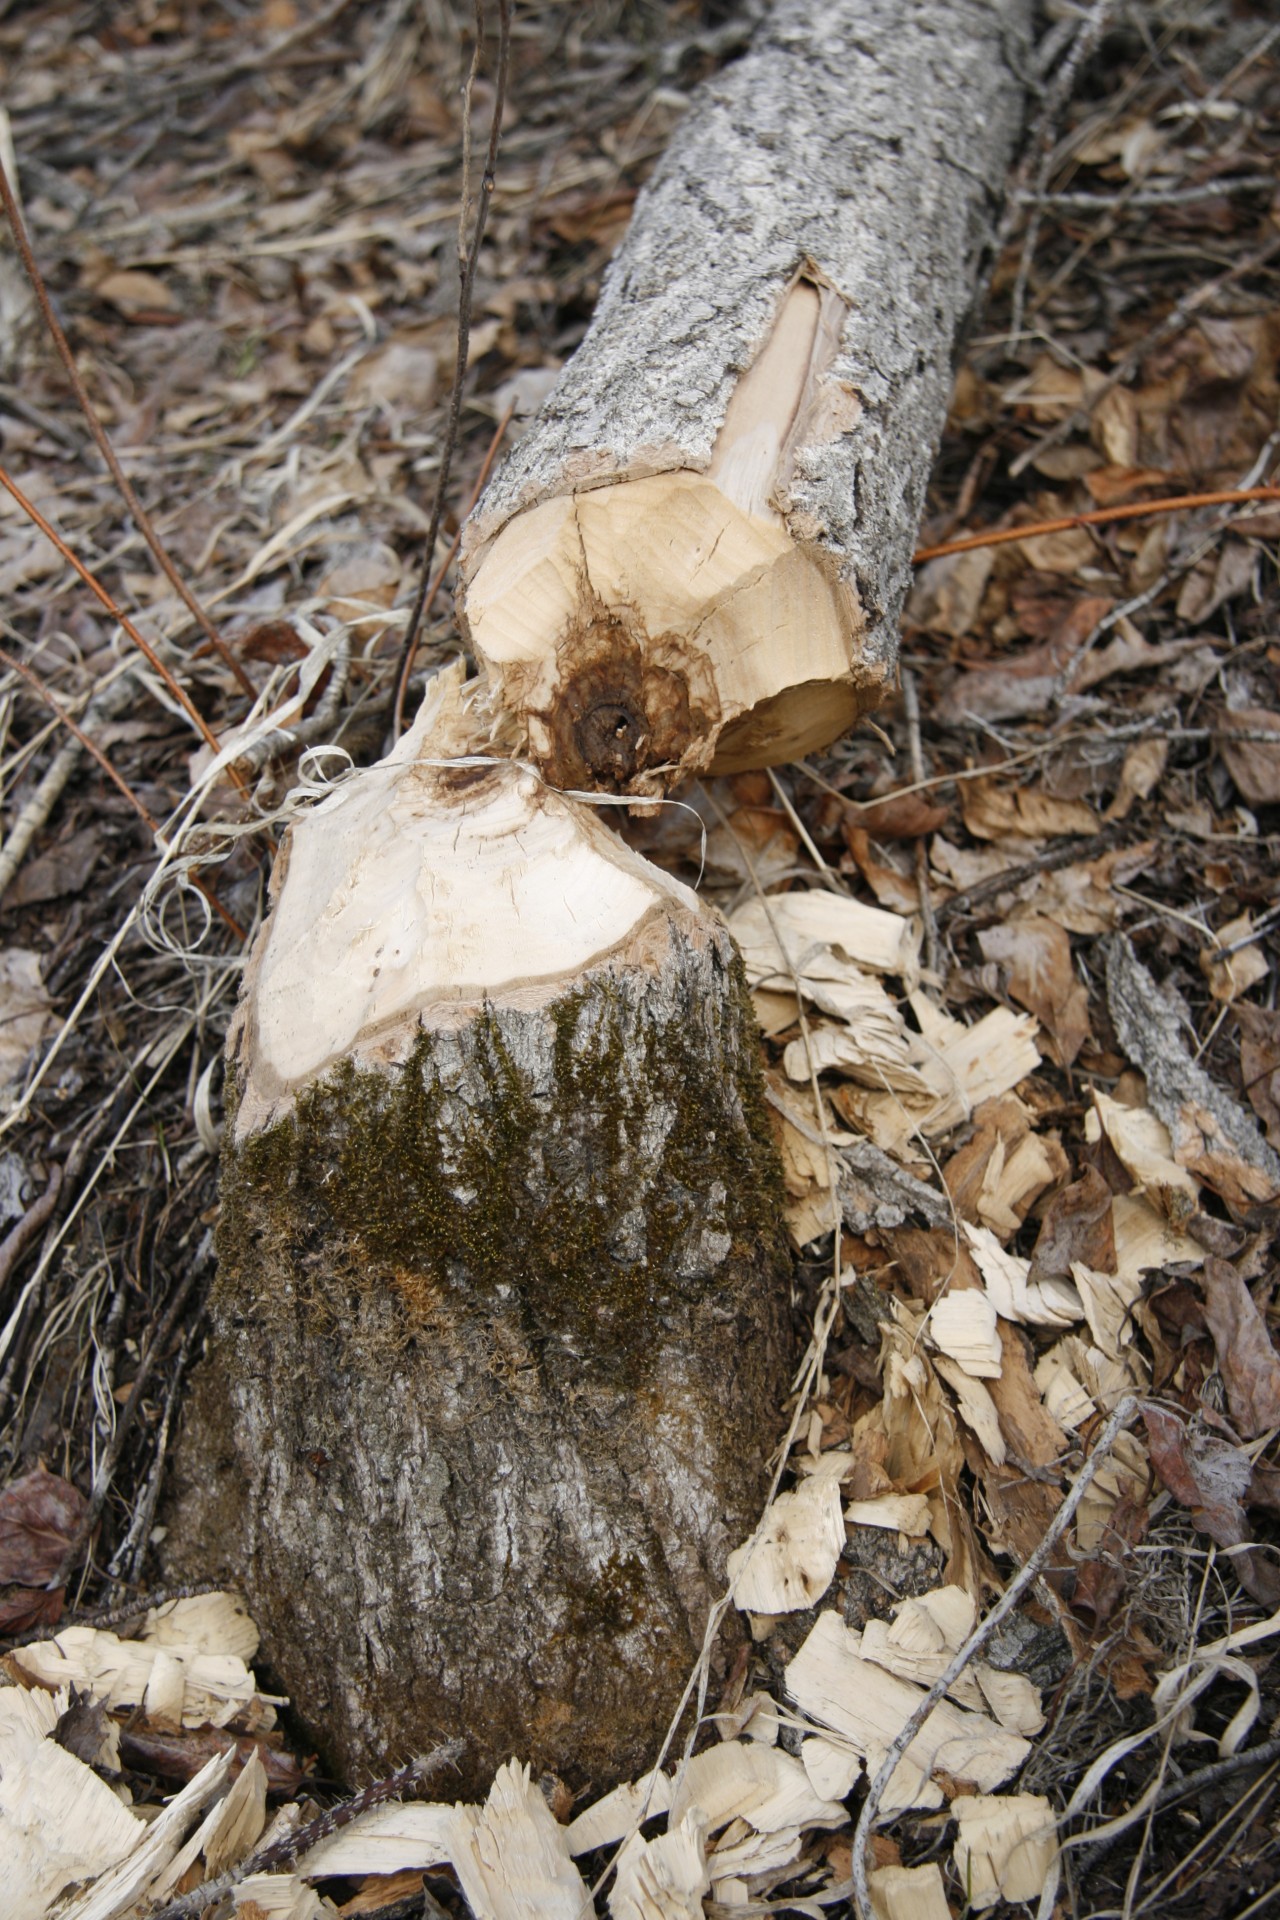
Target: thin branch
<point x="468" y="255"/>
<point x="91" y="746"/>
<point x="1098" y="517"/>
<point x="1028" y="1573"/>
<point x="282" y="1852"/>
<point x="100" y="593"/>
<point x="17" y="227"/>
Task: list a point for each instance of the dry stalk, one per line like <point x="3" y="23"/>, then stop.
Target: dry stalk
<point x="468" y="256"/>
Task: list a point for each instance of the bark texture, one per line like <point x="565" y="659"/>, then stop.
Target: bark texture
<point x="862" y="146"/>
<point x="497" y="1342"/>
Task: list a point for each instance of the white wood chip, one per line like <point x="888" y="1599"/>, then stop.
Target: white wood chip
<point x="898" y="1512"/>
<point x="1144" y="1147"/>
<point x="612" y="1818"/>
<point x="793" y="1559"/>
<point x="740" y="1856"/>
<point x="1146" y="1240"/>
<point x="1005" y="1848"/>
<point x="975" y="1406"/>
<point x="1013" y="1699"/>
<point x="514" y="1861"/>
<point x="833" y="1683"/>
<point x="662" y="1879"/>
<point x="1108" y="1300"/>
<point x="208" y="1623"/>
<point x="112" y="1896"/>
<point x="216" y="1686"/>
<point x="743" y="1780"/>
<point x="1043" y="1303"/>
<point x="963" y="1325"/>
<point x="226" y="1833"/>
<point x="832" y="1769"/>
<point x="279" y="1896"/>
<point x="908" y="1893"/>
<point x="811" y="934"/>
<point x="392" y="1839"/>
<point x="58" y="1822"/>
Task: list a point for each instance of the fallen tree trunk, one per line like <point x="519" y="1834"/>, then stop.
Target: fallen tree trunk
<point x="497" y="1344"/>
<point x="697" y="556"/>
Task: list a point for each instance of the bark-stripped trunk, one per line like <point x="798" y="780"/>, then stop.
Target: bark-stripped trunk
<point x="697" y="556"/>
<point x="497" y="1341"/>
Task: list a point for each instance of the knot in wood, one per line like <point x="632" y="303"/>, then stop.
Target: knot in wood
<point x="611" y="737"/>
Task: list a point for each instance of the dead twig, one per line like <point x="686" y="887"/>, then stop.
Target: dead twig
<point x="1098" y="517"/>
<point x="28" y="1227"/>
<point x="468" y="256"/>
<point x="17" y="227"/>
<point x="1026" y="1575"/>
<point x="1048" y="862"/>
<point x="911" y="708"/>
<point x="104" y="599"/>
<point x="90" y="746"/>
<point x="283" y="1852"/>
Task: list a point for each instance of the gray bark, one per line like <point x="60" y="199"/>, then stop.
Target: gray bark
<point x="496" y="1363"/>
<point x="866" y="141"/>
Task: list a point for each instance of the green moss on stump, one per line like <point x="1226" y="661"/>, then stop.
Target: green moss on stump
<point x="543" y="1204"/>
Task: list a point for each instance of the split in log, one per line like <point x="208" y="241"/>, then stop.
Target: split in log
<point x="498" y="1335"/>
<point x="697" y="556"/>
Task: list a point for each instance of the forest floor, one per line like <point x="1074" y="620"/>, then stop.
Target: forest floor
<point x="246" y="216"/>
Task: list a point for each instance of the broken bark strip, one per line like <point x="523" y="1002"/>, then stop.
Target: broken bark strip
<point x="697" y="556"/>
<point x="497" y="1339"/>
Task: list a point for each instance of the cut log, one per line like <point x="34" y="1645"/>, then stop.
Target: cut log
<point x="497" y="1342"/>
<point x="697" y="556"/>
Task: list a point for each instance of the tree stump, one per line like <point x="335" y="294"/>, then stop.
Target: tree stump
<point x="498" y="1338"/>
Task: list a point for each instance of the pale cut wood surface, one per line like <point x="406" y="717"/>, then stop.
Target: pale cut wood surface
<point x="767" y="371"/>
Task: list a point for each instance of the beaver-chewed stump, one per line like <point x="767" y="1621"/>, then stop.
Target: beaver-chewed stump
<point x="497" y="1347"/>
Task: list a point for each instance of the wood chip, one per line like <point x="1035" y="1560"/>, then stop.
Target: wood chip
<point x="963" y="1324"/>
<point x="392" y="1839"/>
<point x="762" y="1785"/>
<point x="614" y="1816"/>
<point x="831" y="1681"/>
<point x="793" y="1559"/>
<point x="898" y="1512"/>
<point x="908" y="1893"/>
<point x="812" y="936"/>
<point x="514" y="1861"/>
<point x="1142" y="1144"/>
<point x="1005" y="1848"/>
<point x="1041" y="1303"/>
<point x="975" y="1405"/>
<point x="663" y="1879"/>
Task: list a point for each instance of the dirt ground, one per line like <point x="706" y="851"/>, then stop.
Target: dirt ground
<point x="247" y="220"/>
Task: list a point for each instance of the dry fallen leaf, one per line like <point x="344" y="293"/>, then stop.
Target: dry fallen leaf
<point x="1260" y="1064"/>
<point x="1254" y="765"/>
<point x="1247" y="1360"/>
<point x="1042" y="979"/>
<point x="39" y="1516"/>
<point x="993" y="809"/>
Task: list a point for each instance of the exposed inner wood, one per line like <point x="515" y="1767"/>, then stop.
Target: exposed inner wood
<point x="674" y="624"/>
<point x="421" y="885"/>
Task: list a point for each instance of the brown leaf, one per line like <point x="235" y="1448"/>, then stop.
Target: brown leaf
<point x="1247" y="1360"/>
<point x="993" y="809"/>
<point x="22" y="1608"/>
<point x="82" y="1726"/>
<point x="274" y="642"/>
<point x="1101" y="1581"/>
<point x="135" y="294"/>
<point x="1077" y="1225"/>
<point x="900" y="816"/>
<point x="1042" y="979"/>
<point x="39" y="1516"/>
<point x="1260" y="1064"/>
<point x="63" y="870"/>
<point x="179" y="1755"/>
<point x="1254" y="765"/>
